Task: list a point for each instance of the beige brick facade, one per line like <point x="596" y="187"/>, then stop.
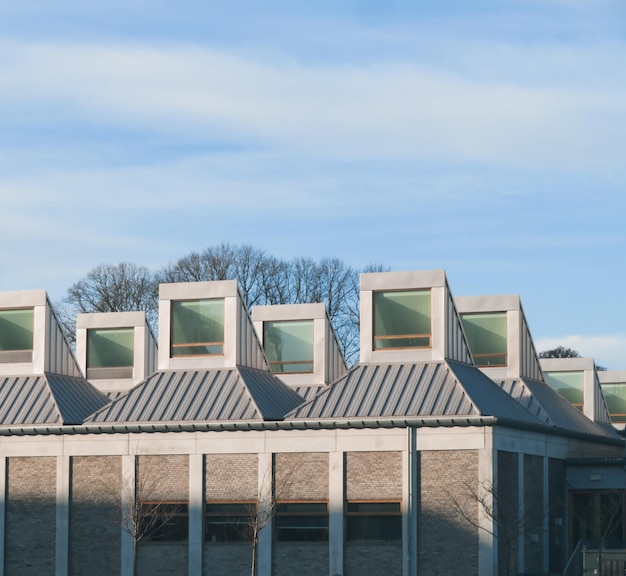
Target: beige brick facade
<point x="448" y="543"/>
<point x="373" y="475"/>
<point x="231" y="476"/>
<point x="301" y="476"/>
<point x="95" y="536"/>
<point x="31" y="517"/>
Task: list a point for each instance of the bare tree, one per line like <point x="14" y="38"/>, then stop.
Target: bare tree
<point x="505" y="522"/>
<point x="141" y="513"/>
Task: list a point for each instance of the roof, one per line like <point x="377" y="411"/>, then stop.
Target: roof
<point x="47" y="399"/>
<point x="552" y="408"/>
<point x="433" y="389"/>
<point x="204" y="395"/>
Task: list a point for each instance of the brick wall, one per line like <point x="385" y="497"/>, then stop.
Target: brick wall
<point x="533" y="513"/>
<point x="447" y="542"/>
<point x="373" y="559"/>
<point x="95" y="531"/>
<point x="373" y="475"/>
<point x="31" y="517"/>
<point x="301" y="476"/>
<point x="300" y="558"/>
<point x="508" y="518"/>
<point x="229" y="477"/>
<point x="163" y="478"/>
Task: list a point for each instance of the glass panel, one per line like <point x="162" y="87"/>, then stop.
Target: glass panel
<point x="570" y="385"/>
<point x="378" y="527"/>
<point x="164" y="522"/>
<point x="486" y="336"/>
<point x="402" y="319"/>
<point x="197" y="327"/>
<point x="615" y="395"/>
<point x="374" y="507"/>
<point x="16" y="329"/>
<point x="301" y="522"/>
<point x="289" y="345"/>
<point x="110" y="348"/>
<point x="226" y="522"/>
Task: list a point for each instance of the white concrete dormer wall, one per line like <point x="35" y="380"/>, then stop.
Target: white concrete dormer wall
<point x="144" y="346"/>
<point x="51" y="352"/>
<point x="435" y="280"/>
<point x="241" y="345"/>
<point x="328" y="362"/>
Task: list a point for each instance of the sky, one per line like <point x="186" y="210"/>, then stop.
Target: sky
<point x="486" y="138"/>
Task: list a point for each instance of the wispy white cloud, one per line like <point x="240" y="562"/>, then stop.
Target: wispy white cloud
<point x="395" y="109"/>
<point x="607" y="350"/>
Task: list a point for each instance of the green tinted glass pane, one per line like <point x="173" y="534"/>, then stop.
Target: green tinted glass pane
<point x="615" y="395"/>
<point x="110" y="348"/>
<point x="197" y="327"/>
<point x="402" y="319"/>
<point x="486" y="336"/>
<point x="16" y="329"/>
<point x="570" y="385"/>
<point x="289" y="345"/>
<point x="302" y="508"/>
<point x="373" y="507"/>
<point x="380" y="527"/>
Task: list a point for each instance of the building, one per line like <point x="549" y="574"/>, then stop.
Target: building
<point x="443" y="451"/>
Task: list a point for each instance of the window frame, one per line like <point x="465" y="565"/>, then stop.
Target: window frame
<point x="152" y="509"/>
<point x="21" y="354"/>
<point x="243" y="532"/>
<point x="348" y="514"/>
<point x="303" y="531"/>
<point x="279" y="363"/>
<point x="484" y="356"/>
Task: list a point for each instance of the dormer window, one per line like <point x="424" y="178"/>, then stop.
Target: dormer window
<point x="570" y="385"/>
<point x="289" y="346"/>
<point x="486" y="336"/>
<point x="402" y="319"/>
<point x="110" y="353"/>
<point x="197" y="327"/>
<point x="16" y="335"/>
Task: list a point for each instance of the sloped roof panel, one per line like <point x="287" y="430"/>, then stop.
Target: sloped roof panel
<point x="75" y="397"/>
<point x="387" y="390"/>
<point x="555" y="409"/>
<point x="272" y="397"/>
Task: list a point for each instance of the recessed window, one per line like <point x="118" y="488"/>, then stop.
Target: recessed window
<point x="229" y="521"/>
<point x="16" y="334"/>
<point x="197" y="327"/>
<point x="615" y="395"/>
<point x="164" y="521"/>
<point x="289" y="346"/>
<point x="110" y="352"/>
<point x="570" y="385"/>
<point x="486" y="336"/>
<point x="301" y="522"/>
<point x="371" y="521"/>
<point x="402" y="319"/>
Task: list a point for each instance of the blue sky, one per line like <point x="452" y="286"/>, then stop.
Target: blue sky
<point x="486" y="138"/>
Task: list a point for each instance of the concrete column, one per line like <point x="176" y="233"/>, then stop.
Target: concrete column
<point x="129" y="479"/>
<point x="335" y="513"/>
<point x="265" y="483"/>
<point x="410" y="504"/>
<point x="63" y="516"/>
<point x="521" y="507"/>
<point x="3" y="508"/>
<point x="487" y="477"/>
<point x="196" y="513"/>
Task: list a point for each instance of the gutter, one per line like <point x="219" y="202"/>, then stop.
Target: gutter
<point x="317" y="424"/>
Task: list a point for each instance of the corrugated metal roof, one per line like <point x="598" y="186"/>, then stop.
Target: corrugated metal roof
<point x="47" y="399"/>
<point x="377" y="390"/>
<point x="553" y="408"/>
<point x="206" y="395"/>
<point x="437" y="389"/>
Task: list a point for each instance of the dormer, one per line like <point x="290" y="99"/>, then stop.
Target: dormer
<point x="115" y="350"/>
<point x="299" y="343"/>
<point x="206" y="326"/>
<point x="576" y="380"/>
<point x="613" y="384"/>
<point x="498" y="336"/>
<point x="31" y="340"/>
<point x="410" y="317"/>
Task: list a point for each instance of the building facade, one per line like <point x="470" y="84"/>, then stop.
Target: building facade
<point x="443" y="451"/>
